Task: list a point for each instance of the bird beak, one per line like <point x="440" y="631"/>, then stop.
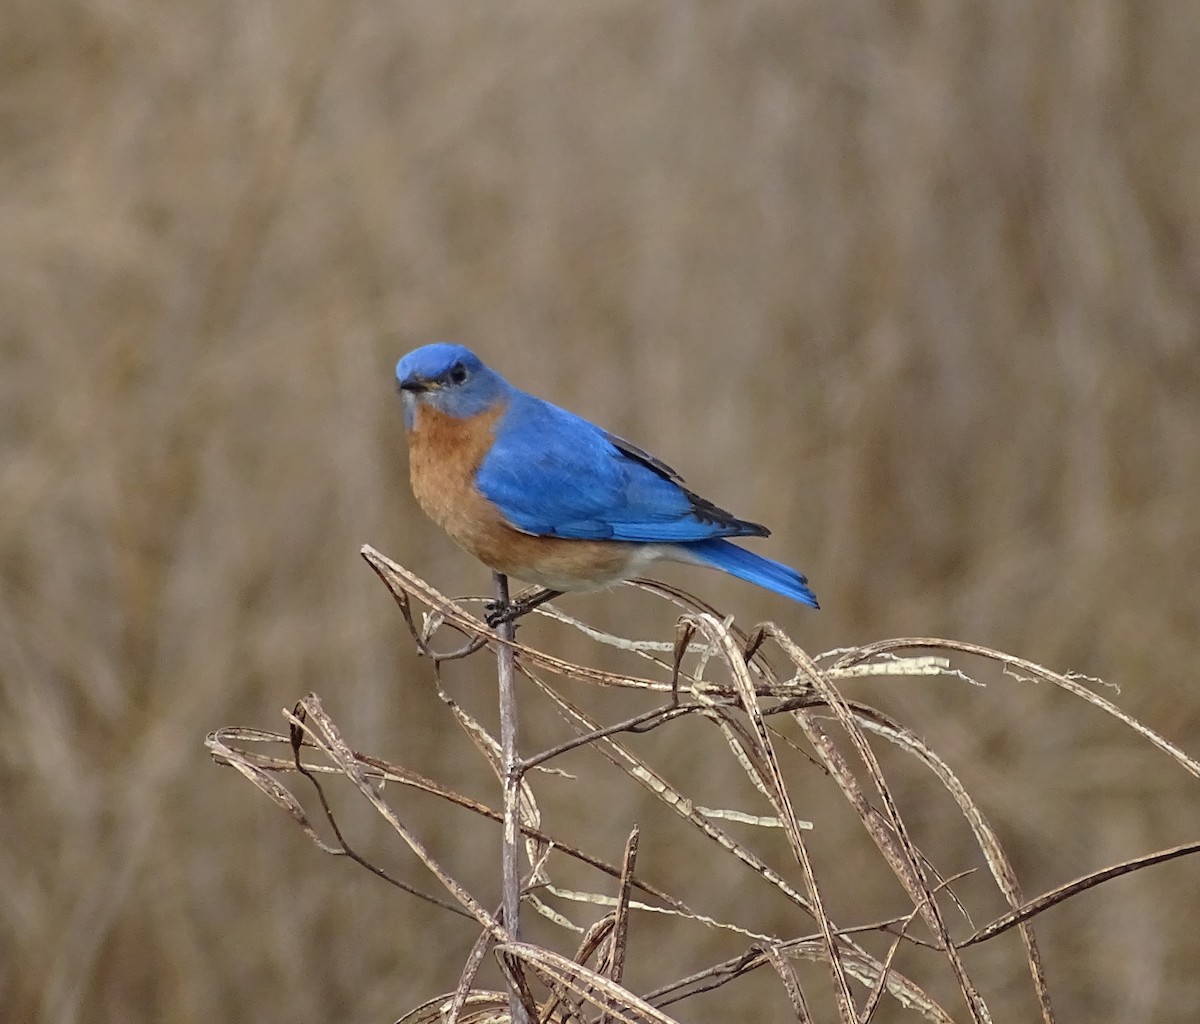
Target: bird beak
<point x="417" y="385"/>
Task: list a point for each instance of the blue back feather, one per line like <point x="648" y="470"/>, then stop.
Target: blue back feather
<point x="552" y="473"/>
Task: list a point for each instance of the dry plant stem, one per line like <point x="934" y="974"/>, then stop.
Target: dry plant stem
<point x="466" y="980"/>
<point x="790" y="983"/>
<point x="296" y="737"/>
<point x="1022" y="668"/>
<point x="638" y="723"/>
<point x="511" y="882"/>
<point x="405" y="605"/>
<point x="708" y="979"/>
<point x="684" y="631"/>
<point x="320" y="729"/>
<point x="757" y="956"/>
<point x="777" y="792"/>
<point x="466" y="650"/>
<point x="261" y="771"/>
<point x="890" y="834"/>
<point x="1074" y="888"/>
<point x="596" y="937"/>
<point x="877" y="990"/>
<point x="573" y="981"/>
<point x="835" y="734"/>
<point x="620" y="918"/>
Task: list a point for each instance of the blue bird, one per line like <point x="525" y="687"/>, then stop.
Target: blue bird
<point x="536" y="492"/>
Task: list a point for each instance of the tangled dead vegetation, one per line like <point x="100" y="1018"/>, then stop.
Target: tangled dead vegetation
<point x="778" y="727"/>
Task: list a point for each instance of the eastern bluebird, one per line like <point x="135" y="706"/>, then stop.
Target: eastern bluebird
<point x="536" y="492"/>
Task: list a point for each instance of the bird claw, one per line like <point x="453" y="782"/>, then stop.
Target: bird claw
<point x="496" y="613"/>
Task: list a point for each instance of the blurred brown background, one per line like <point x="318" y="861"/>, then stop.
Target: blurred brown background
<point x="915" y="284"/>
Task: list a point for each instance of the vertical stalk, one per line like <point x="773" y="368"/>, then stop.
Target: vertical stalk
<point x="510" y="867"/>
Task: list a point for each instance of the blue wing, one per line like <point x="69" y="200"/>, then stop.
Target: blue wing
<point x="552" y="473"/>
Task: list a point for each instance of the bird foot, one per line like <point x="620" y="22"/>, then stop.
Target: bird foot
<point x="498" y="614"/>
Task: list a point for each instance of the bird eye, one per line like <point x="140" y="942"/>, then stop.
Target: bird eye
<point x="457" y="374"/>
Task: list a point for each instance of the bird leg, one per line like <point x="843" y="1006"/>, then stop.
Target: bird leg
<point x="498" y="613"/>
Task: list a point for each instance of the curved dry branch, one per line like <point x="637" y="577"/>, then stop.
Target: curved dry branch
<point x="714" y="673"/>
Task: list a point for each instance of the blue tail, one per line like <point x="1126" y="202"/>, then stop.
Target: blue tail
<point x="752" y="568"/>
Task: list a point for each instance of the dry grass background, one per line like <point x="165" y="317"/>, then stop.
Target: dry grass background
<point x="917" y="285"/>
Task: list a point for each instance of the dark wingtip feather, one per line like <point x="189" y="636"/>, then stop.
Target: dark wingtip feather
<point x="705" y="511"/>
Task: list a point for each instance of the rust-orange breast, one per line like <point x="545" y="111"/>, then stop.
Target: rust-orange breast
<point x="444" y="455"/>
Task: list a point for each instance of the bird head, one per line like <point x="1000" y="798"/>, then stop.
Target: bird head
<point x="449" y="378"/>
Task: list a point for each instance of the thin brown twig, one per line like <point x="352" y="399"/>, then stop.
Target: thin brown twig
<point x="511" y="765"/>
<point x="1074" y="888"/>
<point x="620" y="935"/>
<point x="644" y="722"/>
<point x="344" y="848"/>
<point x="735" y="687"/>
